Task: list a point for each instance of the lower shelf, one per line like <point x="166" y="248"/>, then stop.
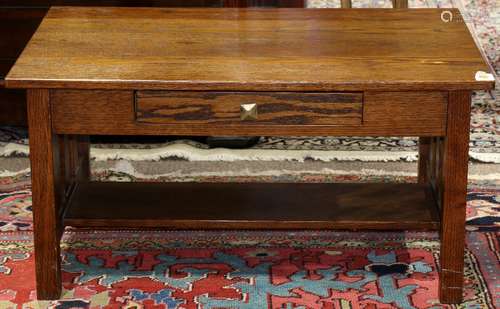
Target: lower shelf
<point x="252" y="206"/>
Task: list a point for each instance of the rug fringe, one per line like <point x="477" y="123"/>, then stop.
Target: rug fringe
<point x="6" y="173"/>
<point x="190" y="153"/>
<point x="123" y="166"/>
<point x="485" y="157"/>
<point x="126" y="167"/>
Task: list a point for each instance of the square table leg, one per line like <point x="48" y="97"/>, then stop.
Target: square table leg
<point x="44" y="156"/>
<point x="454" y="167"/>
<point x="83" y="155"/>
<point x="74" y="158"/>
<point x="424" y="144"/>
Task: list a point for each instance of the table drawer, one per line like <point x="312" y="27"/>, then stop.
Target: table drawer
<point x="127" y="112"/>
<point x="248" y="108"/>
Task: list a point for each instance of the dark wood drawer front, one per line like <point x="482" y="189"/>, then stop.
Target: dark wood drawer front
<point x="115" y="113"/>
<point x="273" y="108"/>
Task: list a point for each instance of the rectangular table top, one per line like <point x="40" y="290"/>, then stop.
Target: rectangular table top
<point x="250" y="49"/>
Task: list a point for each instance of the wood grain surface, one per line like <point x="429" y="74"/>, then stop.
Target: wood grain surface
<point x="455" y="156"/>
<point x="272" y="108"/>
<point x="249" y="49"/>
<point x="253" y="205"/>
<point x="400" y="4"/>
<point x="46" y="188"/>
<point x="113" y="113"/>
<point x="424" y="144"/>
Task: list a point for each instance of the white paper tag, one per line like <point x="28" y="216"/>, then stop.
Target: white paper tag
<point x="482" y="76"/>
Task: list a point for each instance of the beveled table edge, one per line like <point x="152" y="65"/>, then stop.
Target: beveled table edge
<point x="246" y="86"/>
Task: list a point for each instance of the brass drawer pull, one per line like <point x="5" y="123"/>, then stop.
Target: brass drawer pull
<point x="248" y="111"/>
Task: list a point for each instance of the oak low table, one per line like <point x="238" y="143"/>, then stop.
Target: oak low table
<point x="102" y="71"/>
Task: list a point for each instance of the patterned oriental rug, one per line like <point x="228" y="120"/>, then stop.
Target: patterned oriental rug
<point x="253" y="270"/>
<point x="242" y="269"/>
<point x="484" y="23"/>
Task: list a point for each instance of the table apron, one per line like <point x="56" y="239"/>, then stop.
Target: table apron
<point x="115" y="112"/>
